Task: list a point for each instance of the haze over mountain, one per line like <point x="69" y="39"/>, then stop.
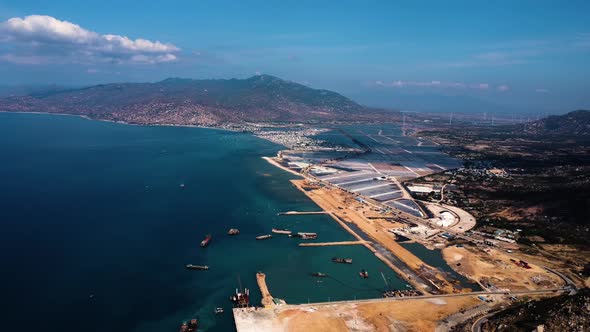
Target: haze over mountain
<point x="27" y="89"/>
<point x="436" y="103"/>
<point x="197" y="102"/>
<point x="575" y="123"/>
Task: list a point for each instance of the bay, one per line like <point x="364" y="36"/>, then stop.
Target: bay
<point x="95" y="227"/>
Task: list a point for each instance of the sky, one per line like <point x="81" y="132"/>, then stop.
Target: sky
<point x="478" y="55"/>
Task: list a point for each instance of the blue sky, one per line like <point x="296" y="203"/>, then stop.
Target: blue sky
<point x="524" y="55"/>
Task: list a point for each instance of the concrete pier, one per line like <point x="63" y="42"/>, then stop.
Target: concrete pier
<point x="267" y="300"/>
<point x="342" y="243"/>
<point x="266" y="297"/>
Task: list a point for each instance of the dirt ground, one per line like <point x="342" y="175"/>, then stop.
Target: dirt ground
<point x="407" y="315"/>
<point x="494" y="266"/>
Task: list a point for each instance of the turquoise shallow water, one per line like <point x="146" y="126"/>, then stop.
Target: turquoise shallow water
<point x="90" y="207"/>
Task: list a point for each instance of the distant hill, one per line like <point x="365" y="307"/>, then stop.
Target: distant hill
<point x="23" y="90"/>
<point x="574" y="123"/>
<point x="198" y="102"/>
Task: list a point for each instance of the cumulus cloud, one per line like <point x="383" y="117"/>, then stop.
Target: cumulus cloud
<point x="433" y="84"/>
<point x="44" y="39"/>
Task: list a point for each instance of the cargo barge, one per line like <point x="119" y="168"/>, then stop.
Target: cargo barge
<point x="206" y="241"/>
<point x="281" y="231"/>
<point x="319" y="275"/>
<point x="342" y="260"/>
<point x="197" y="267"/>
<point x="307" y="236"/>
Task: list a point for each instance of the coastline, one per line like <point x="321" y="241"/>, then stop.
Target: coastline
<point x="122" y="122"/>
<point x="271" y="161"/>
<point x="342" y="224"/>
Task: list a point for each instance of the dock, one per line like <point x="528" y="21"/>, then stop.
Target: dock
<point x="299" y="213"/>
<point x="267" y="300"/>
<point x="341" y="243"/>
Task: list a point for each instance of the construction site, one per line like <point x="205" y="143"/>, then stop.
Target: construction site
<point x="367" y="198"/>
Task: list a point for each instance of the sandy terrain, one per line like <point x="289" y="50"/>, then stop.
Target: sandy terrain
<point x="406" y="315"/>
<point x="275" y="163"/>
<point x="495" y="267"/>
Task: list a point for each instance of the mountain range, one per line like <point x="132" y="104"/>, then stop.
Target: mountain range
<point x="261" y="98"/>
<point x="576" y="123"/>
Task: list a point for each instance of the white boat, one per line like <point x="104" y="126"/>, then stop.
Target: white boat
<point x="308" y="236"/>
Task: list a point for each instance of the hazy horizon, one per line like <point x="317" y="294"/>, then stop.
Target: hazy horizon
<point x="528" y="56"/>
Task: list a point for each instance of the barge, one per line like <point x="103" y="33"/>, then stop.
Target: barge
<point x="206" y="241"/>
<point x="281" y="231"/>
<point x="342" y="260"/>
<point x="197" y="267"/>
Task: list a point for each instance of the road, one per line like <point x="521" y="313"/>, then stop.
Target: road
<point x="476" y="327"/>
<point x="461" y="316"/>
<point x="568" y="282"/>
<point x="421" y="297"/>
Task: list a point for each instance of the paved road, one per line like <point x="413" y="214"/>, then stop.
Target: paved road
<point x="461" y="316"/>
<point x="421" y="297"/>
<point x="568" y="282"/>
<point x="476" y="327"/>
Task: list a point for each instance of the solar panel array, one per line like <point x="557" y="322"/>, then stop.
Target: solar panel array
<point x="366" y="183"/>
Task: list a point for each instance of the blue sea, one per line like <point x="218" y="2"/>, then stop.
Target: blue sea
<point x="95" y="228"/>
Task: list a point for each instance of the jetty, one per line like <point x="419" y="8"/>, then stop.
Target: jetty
<point x="299" y="213"/>
<point x="341" y="243"/>
<point x="267" y="300"/>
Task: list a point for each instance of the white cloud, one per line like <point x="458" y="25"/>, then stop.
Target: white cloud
<point x="433" y="84"/>
<point x="503" y="88"/>
<point x="541" y="90"/>
<point x="45" y="39"/>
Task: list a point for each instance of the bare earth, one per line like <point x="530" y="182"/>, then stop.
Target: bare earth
<point x="406" y="315"/>
<point x="493" y="266"/>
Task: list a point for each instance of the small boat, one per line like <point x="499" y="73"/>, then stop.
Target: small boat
<point x="197" y="267"/>
<point x="190" y="326"/>
<point x="233" y="231"/>
<point x="182" y="185"/>
<point x="218" y="311"/>
<point x="263" y="237"/>
<point x="319" y="275"/>
<point x="342" y="260"/>
<point x="281" y="231"/>
<point x="364" y="274"/>
<point x="206" y="241"/>
<point x="308" y="236"/>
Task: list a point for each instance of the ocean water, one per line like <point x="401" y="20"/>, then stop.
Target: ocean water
<point x="95" y="229"/>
